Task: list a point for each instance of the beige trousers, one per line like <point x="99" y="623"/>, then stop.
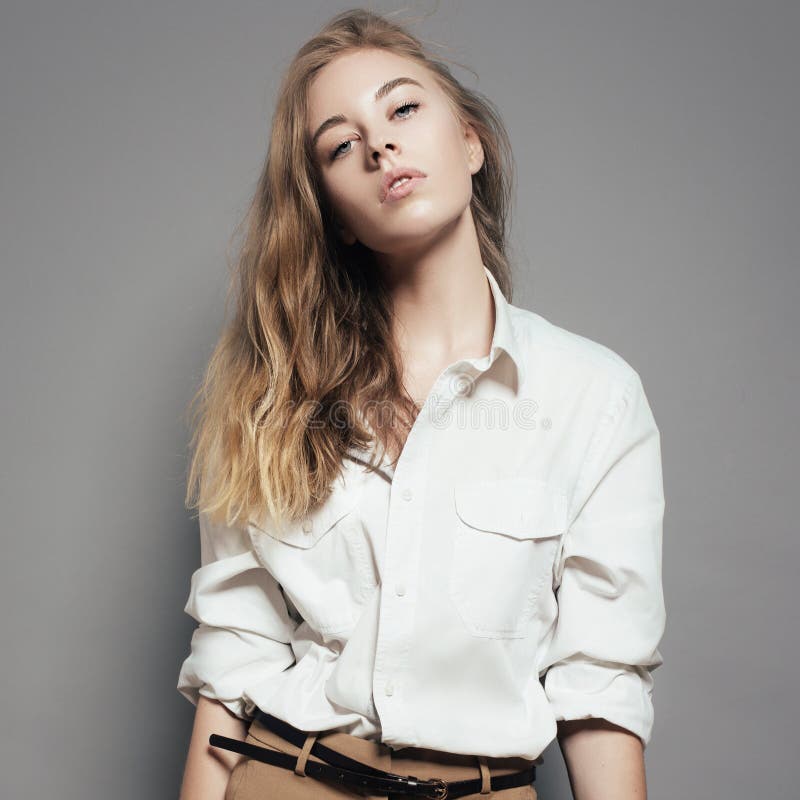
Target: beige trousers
<point x="255" y="780"/>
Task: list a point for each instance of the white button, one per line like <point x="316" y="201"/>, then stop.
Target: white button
<point x="407" y="494"/>
<point x="399" y="589"/>
<point x="308" y="526"/>
<point x="463" y="385"/>
<point x="388" y="689"/>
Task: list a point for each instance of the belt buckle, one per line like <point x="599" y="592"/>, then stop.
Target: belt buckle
<point x="440" y="788"/>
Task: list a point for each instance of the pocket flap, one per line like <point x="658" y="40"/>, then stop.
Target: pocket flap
<point x="307" y="531"/>
<point x="525" y="508"/>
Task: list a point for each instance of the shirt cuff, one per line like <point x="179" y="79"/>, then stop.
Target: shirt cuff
<point x="224" y="664"/>
<point x="619" y="693"/>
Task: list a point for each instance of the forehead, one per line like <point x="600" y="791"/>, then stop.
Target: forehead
<point x="351" y="79"/>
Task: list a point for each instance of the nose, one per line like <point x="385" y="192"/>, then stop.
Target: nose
<point x="376" y="151"/>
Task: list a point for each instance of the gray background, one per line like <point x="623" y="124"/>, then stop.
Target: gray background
<point x="657" y="212"/>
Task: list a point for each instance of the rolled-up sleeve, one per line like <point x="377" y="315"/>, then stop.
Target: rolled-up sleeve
<point x="245" y="630"/>
<point x="611" y="612"/>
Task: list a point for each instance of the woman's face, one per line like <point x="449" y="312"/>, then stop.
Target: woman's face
<point x="409" y="126"/>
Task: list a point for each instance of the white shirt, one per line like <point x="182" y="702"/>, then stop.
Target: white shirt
<point x="507" y="575"/>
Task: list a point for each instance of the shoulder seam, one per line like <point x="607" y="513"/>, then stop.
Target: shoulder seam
<point x="581" y="347"/>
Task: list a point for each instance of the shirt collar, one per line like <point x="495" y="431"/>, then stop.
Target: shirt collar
<point x="504" y="337"/>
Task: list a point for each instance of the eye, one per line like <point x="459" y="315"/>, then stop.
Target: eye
<point x="411" y="105"/>
<point x="407" y="104"/>
<point x="335" y="153"/>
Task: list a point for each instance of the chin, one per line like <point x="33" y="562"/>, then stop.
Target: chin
<point x="421" y="221"/>
<point x="407" y="240"/>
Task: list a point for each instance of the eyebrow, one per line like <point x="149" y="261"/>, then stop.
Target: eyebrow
<point x="337" y="119"/>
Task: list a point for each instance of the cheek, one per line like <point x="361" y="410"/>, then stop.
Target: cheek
<point x="442" y="125"/>
<point x="348" y="194"/>
<point x="342" y="197"/>
<point x="359" y="214"/>
<point x="452" y="152"/>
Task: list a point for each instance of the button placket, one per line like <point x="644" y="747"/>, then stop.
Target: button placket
<point x="401" y="560"/>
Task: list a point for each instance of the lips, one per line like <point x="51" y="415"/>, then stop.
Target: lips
<point x="393" y="174"/>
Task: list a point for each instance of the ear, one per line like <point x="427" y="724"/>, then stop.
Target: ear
<point x="473" y="148"/>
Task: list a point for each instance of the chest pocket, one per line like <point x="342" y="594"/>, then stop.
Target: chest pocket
<point x="506" y="533"/>
<point x="321" y="561"/>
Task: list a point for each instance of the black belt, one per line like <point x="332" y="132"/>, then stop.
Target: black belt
<point x="350" y="772"/>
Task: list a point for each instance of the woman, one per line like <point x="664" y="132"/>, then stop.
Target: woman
<point x="430" y="520"/>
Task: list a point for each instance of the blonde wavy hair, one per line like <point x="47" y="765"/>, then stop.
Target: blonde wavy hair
<point x="306" y="368"/>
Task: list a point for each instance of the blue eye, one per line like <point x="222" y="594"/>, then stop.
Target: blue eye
<point x="337" y="152"/>
<point x="415" y="106"/>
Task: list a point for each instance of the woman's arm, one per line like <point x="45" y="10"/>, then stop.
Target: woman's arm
<point x="243" y="638"/>
<point x="611" y="611"/>
<point x="208" y="768"/>
<point x="603" y="760"/>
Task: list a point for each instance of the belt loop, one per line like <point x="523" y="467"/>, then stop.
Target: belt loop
<point x="300" y="767"/>
<point x="486" y="776"/>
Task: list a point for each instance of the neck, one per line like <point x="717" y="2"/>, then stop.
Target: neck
<point x="442" y="303"/>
